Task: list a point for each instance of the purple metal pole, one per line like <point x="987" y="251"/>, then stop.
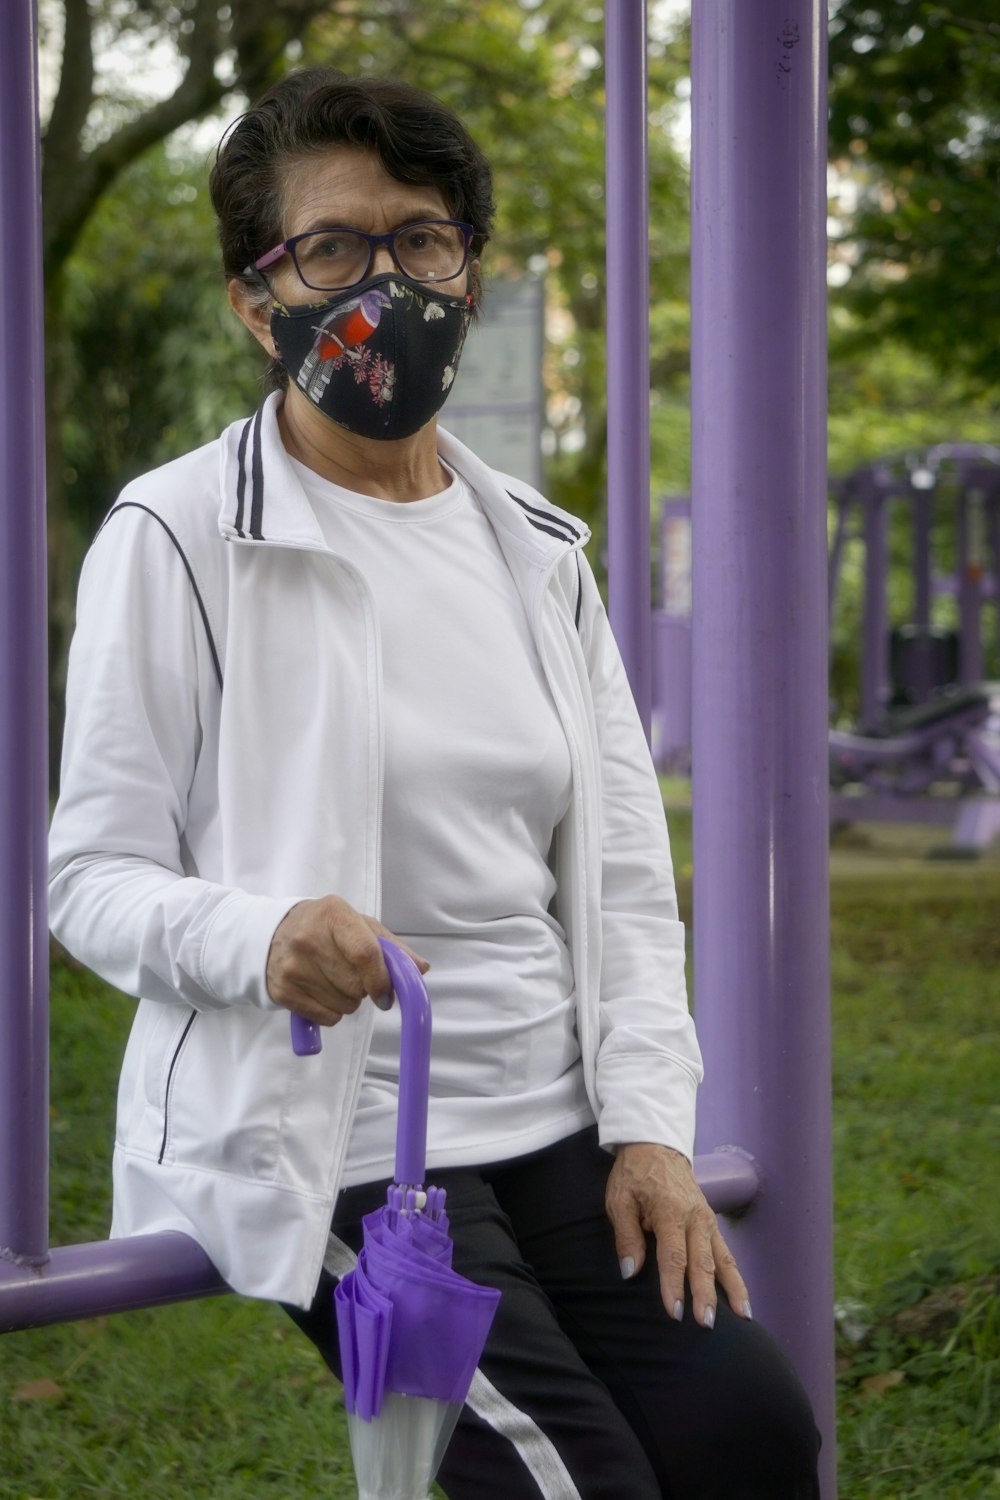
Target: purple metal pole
<point x="837" y="551"/>
<point x="110" y="1276"/>
<point x="993" y="530"/>
<point x="874" y="630"/>
<point x="922" y="562"/>
<point x="113" y="1276"/>
<point x="761" y="927"/>
<point x="626" y="201"/>
<point x="968" y="567"/>
<point x="24" y="978"/>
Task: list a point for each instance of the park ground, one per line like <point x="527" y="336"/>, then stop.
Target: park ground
<point x="222" y="1399"/>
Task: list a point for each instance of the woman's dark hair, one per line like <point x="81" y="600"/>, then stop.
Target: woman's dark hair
<point x="415" y="136"/>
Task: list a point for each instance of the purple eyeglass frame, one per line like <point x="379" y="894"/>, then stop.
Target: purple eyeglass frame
<point x="373" y="240"/>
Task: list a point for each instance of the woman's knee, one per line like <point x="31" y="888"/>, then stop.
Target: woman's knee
<point x="764" y="1424"/>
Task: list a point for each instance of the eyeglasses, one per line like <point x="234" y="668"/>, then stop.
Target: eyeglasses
<point x="328" y="260"/>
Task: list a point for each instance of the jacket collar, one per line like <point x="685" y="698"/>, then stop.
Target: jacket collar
<point x="263" y="500"/>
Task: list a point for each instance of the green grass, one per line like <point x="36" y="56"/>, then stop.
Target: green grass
<point x="916" y="1141"/>
<point x="219" y="1398"/>
<point x="223" y="1400"/>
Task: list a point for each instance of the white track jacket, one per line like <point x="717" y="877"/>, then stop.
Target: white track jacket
<point x="223" y="760"/>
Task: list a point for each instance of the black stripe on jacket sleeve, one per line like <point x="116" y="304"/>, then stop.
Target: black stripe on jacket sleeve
<point x="134" y="505"/>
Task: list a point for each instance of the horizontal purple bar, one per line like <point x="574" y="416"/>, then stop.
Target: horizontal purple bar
<point x="883" y="807"/>
<point x="729" y="1178"/>
<point x="88" y="1281"/>
<point x="111" y="1276"/>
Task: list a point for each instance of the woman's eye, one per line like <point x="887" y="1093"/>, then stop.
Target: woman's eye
<point x="328" y="246"/>
<point x="325" y="248"/>
<point x="420" y="239"/>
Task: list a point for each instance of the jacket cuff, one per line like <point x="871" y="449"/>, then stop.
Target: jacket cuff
<point x="647" y="1100"/>
<point x="236" y="946"/>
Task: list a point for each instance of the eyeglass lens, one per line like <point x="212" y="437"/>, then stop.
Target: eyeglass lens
<point x="331" y="258"/>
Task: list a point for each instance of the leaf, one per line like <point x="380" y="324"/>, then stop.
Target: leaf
<point x="38" y="1390"/>
<point x="877" y="1385"/>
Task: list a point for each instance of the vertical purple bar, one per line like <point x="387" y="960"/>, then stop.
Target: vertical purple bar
<point x="837" y="552"/>
<point x="967" y="565"/>
<point x="23" y="717"/>
<point x="993" y="531"/>
<point x="761" y="925"/>
<point x="922" y="585"/>
<point x="626" y="202"/>
<point x="875" y="630"/>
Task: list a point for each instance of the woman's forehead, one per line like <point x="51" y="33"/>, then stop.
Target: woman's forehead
<point x="348" y="186"/>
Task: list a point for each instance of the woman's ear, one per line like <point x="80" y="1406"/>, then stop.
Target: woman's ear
<point x="252" y="312"/>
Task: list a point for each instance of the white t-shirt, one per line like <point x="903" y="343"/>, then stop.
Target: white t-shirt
<point x="477" y="776"/>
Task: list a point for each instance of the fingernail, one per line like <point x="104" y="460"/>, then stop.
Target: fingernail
<point x="679" y="1310"/>
<point x="628" y="1268"/>
<point x="747" y="1311"/>
<point x="384" y="1002"/>
<point x="708" y="1318"/>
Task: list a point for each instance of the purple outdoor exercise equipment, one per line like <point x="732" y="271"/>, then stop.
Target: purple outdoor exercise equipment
<point x="926" y="748"/>
<point x="759" y="653"/>
<point x="926" y="745"/>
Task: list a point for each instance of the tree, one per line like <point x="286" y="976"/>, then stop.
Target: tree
<point x="159" y="364"/>
<point x="92" y="135"/>
<point x="915" y="124"/>
<point x="528" y="80"/>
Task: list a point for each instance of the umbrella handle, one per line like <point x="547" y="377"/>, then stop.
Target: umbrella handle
<point x="307" y="1038"/>
<point x="414" y="1064"/>
<point x="414" y="1060"/>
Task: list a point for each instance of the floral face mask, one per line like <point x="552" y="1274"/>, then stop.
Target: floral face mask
<point x="379" y="359"/>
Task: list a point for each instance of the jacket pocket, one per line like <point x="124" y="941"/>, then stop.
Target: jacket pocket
<point x="171" y="1075"/>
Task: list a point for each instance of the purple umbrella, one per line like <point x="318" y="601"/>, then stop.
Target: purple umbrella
<point x="411" y="1329"/>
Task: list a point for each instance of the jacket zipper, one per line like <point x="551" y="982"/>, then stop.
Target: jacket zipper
<point x="364" y="595"/>
<point x="534" y="613"/>
<point x="170" y="1078"/>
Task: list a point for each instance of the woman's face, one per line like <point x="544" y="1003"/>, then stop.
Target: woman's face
<point x="348" y="188"/>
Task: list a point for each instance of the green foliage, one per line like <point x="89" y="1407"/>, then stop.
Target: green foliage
<point x="914" y="122"/>
<point x="886" y="399"/>
<point x="156" y="363"/>
<point x="528" y="79"/>
<point x="159" y="363"/>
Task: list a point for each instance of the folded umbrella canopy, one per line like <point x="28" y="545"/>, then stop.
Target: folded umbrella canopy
<point x="411" y="1329"/>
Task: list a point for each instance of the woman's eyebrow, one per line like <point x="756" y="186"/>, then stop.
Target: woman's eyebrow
<point x="352" y="220"/>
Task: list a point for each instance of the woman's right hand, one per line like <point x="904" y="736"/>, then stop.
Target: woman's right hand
<point x="325" y="958"/>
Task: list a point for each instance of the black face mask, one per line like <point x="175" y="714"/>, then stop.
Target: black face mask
<point x="378" y="359"/>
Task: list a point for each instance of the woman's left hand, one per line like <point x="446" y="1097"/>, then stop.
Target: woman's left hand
<point x="652" y="1189"/>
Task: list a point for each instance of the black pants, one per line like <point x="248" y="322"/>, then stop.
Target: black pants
<point x="587" y="1390"/>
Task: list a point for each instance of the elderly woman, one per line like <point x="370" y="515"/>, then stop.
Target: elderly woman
<point x="334" y="678"/>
